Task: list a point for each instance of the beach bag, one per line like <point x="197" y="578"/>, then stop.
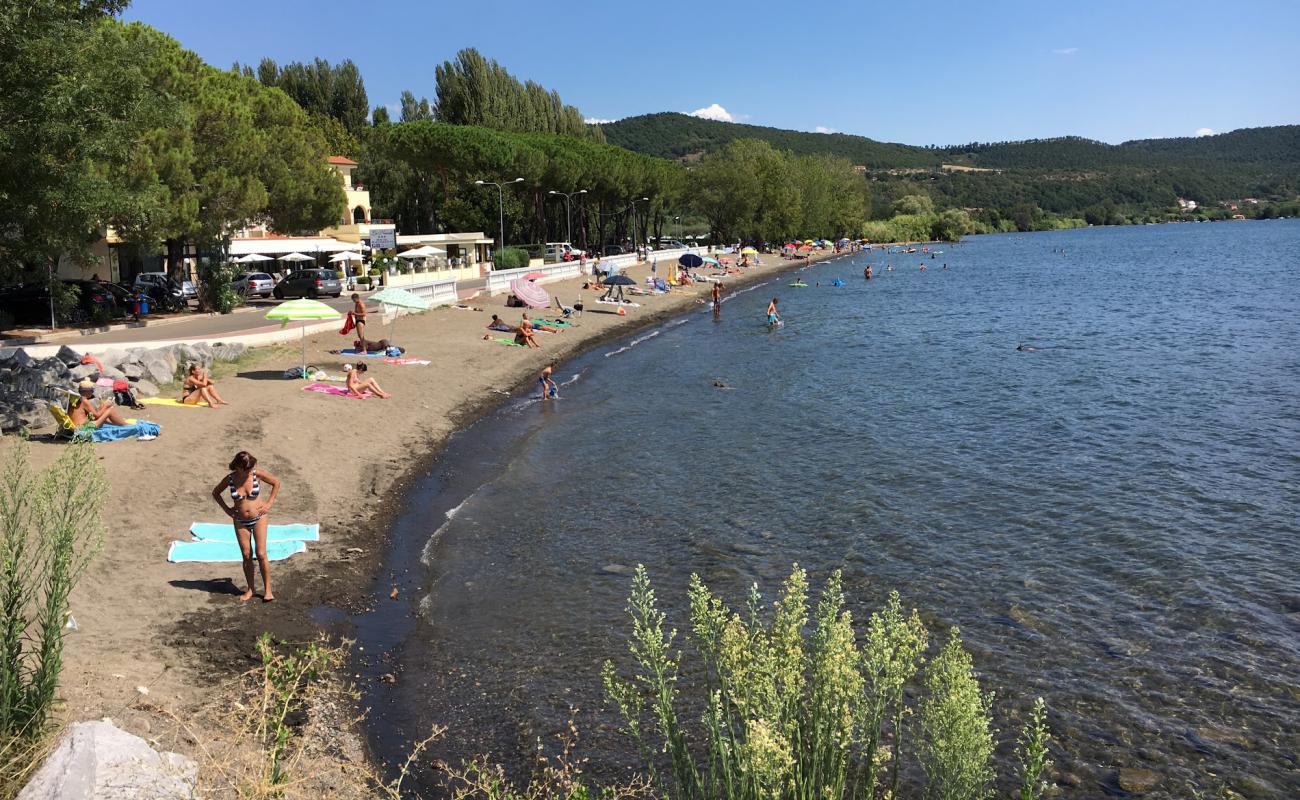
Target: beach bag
<point x="123" y="395"/>
<point x="394" y="352"/>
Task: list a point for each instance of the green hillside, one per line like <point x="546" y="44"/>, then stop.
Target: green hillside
<point x="671" y="135"/>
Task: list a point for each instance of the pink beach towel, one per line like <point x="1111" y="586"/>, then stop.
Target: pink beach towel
<point x="337" y="391"/>
<point x="407" y="361"/>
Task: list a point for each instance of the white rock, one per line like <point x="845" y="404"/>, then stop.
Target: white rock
<point x="96" y="760"/>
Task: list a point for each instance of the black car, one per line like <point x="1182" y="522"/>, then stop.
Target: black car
<point x="614" y="250"/>
<point x="309" y="283"/>
<point x="29" y="304"/>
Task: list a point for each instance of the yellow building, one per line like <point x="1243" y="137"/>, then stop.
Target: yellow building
<point x="355" y="222"/>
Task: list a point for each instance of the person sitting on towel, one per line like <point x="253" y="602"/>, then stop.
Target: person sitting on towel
<point x="358" y="385"/>
<point x="525" y="335"/>
<point x="198" y="386"/>
<point x="85" y="414"/>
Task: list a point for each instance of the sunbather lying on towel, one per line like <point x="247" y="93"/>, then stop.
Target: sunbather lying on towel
<point x="498" y="324"/>
<point x="538" y="326"/>
<point x="85" y="414"/>
<point x="368" y="346"/>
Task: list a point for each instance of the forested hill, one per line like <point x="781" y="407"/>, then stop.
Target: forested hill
<point x="671" y="135"/>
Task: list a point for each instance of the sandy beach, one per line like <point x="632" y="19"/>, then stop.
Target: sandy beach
<point x="178" y="630"/>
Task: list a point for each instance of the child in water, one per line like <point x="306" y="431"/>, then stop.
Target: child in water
<point x="549" y="389"/>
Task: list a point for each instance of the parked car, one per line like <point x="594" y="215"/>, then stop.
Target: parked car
<point x="561" y="251"/>
<point x="183" y="291"/>
<point x="30" y="303"/>
<point x="615" y="250"/>
<point x="671" y="245"/>
<point x="254" y="283"/>
<point x="309" y="283"/>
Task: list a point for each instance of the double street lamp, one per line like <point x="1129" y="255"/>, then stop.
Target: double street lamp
<point x="568" y="211"/>
<point x="501" y="204"/>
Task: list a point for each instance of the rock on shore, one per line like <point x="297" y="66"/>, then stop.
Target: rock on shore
<point x="28" y="385"/>
<point x="97" y="760"/>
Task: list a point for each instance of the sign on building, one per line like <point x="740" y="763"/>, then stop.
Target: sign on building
<point x="383" y="238"/>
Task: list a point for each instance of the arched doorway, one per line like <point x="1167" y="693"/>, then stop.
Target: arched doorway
<point x="359" y="215"/>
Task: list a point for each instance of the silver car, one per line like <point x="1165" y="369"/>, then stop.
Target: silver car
<point x="254" y="284"/>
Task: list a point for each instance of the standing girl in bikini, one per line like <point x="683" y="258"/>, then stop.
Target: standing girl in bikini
<point x="249" y="509"/>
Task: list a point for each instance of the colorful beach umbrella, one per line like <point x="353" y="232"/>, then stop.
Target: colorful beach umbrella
<point x="399" y="298"/>
<point x="749" y="251"/>
<point x="530" y="293"/>
<point x="304" y="311"/>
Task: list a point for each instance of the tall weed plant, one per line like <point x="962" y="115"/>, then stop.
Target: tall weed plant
<point x="799" y="706"/>
<point x="51" y="527"/>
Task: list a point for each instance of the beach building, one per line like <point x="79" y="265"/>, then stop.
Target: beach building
<point x="463" y="256"/>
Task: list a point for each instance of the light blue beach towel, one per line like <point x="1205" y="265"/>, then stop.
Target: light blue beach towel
<point x="214" y="552"/>
<point x="225" y="532"/>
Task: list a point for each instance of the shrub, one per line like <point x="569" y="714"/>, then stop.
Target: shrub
<point x="215" y="293"/>
<point x="794" y="708"/>
<point x="50" y="530"/>
<point x="533" y="250"/>
<point x="509" y="258"/>
<point x="65" y="297"/>
<point x="364" y="280"/>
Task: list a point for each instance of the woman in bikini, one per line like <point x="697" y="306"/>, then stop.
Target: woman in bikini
<point x="198" y="386"/>
<point x="249" y="511"/>
<point x="358" y="386"/>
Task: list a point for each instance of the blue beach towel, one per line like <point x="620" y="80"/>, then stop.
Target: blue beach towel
<point x="359" y="354"/>
<point x="214" y="552"/>
<point x="225" y="532"/>
<point x="111" y="433"/>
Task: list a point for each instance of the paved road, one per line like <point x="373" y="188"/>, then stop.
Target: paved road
<point x="201" y="326"/>
<point x="207" y="326"/>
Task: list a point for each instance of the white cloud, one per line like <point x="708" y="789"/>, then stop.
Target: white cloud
<point x="1204" y="132"/>
<point x="1066" y="51"/>
<point x="824" y="129"/>
<point x="597" y="121"/>
<point x="714" y="111"/>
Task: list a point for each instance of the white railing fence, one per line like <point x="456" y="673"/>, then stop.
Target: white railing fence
<point x="499" y="280"/>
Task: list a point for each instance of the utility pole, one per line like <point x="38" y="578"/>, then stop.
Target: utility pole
<point x="568" y="211"/>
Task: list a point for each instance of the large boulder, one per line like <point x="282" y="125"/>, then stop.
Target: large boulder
<point x="98" y="760"/>
<point x="68" y="356"/>
<point x="114" y="373"/>
<point x="157" y="368"/>
<point x="227" y="351"/>
<point x="145" y="388"/>
<point x="113" y="358"/>
<point x="18" y="359"/>
<point x="133" y="371"/>
<point x="82" y="371"/>
<point x="187" y="354"/>
<point x="19" y="410"/>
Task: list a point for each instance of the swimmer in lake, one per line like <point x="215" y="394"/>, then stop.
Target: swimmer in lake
<point x="1024" y="348"/>
<point x="772" y="318"/>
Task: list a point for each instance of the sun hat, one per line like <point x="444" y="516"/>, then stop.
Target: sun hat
<point x="85" y="384"/>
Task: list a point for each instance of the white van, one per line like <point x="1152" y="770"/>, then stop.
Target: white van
<point x="561" y="251"/>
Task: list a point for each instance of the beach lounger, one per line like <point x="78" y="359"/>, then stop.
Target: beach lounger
<point x="287" y="532"/>
<point x="222" y="552"/>
<point x="336" y="391"/>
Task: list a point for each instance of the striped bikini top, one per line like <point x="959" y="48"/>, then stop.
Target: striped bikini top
<point x="253" y="491"/>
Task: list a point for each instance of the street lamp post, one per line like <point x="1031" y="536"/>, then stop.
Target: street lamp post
<point x="501" y="205"/>
<point x="568" y="211"/>
<point x="632" y="208"/>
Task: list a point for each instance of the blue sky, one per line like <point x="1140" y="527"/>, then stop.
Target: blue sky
<point x="936" y="72"/>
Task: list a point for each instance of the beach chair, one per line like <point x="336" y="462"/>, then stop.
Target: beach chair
<point x="65" y="430"/>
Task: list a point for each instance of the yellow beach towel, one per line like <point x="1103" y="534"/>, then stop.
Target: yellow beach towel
<point x="168" y="401"/>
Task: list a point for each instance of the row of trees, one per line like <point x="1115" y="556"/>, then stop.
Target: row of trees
<point x="104" y="123"/>
<point x="749" y="190"/>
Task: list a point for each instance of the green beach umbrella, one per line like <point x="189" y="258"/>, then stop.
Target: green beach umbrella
<point x="400" y="298"/>
<point x="302" y="310"/>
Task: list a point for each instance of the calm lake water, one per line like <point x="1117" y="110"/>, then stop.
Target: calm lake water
<point x="1112" y="520"/>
